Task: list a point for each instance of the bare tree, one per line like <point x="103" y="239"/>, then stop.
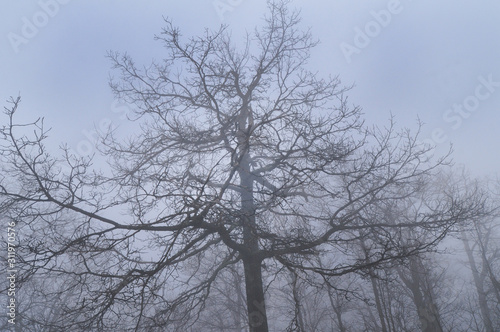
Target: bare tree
<point x="479" y="239"/>
<point x="244" y="156"/>
<point x="482" y="255"/>
<point x="417" y="276"/>
<point x="225" y="307"/>
<point x="422" y="294"/>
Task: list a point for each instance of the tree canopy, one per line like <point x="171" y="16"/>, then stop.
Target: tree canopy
<point x="245" y="159"/>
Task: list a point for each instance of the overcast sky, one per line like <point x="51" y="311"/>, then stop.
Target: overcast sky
<point x="437" y="60"/>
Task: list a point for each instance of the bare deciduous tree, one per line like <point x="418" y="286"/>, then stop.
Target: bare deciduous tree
<point x="244" y="156"/>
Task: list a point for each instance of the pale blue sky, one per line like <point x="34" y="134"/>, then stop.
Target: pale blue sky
<point x="424" y="58"/>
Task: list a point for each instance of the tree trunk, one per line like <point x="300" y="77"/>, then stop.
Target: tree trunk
<point x="427" y="312"/>
<point x="388" y="307"/>
<point x="252" y="263"/>
<point x="378" y="302"/>
<point x="479" y="283"/>
<point x="240" y="302"/>
<point x="486" y="263"/>
<point x="296" y="300"/>
<point x="337" y="308"/>
<point x="426" y="308"/>
<point x="376" y="293"/>
<point x="256" y="307"/>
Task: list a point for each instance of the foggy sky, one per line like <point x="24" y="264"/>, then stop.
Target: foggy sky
<point x="438" y="61"/>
